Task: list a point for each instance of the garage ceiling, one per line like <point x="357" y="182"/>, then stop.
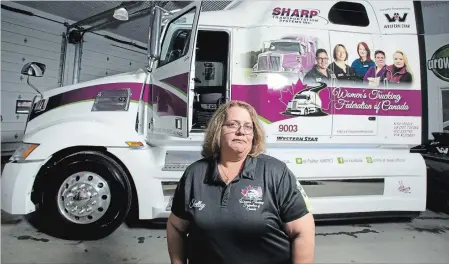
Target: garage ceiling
<point x="135" y="28"/>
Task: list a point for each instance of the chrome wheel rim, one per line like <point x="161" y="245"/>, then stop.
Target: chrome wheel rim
<point x="84" y="197"/>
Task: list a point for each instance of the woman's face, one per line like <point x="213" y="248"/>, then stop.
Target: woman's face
<point x="380" y="59"/>
<point x="398" y="60"/>
<point x="237" y="131"/>
<point x="362" y="51"/>
<point x="340" y="53"/>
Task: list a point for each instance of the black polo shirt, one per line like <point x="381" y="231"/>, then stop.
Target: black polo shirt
<point x="241" y="222"/>
<point x="314" y="76"/>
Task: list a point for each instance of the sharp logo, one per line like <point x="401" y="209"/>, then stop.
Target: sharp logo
<point x="443" y="150"/>
<point x="396" y="17"/>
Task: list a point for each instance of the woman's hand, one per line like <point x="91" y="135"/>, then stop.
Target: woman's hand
<point x="374" y="82"/>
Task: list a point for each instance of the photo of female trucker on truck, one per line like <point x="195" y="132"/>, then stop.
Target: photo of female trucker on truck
<point x="237" y="205"/>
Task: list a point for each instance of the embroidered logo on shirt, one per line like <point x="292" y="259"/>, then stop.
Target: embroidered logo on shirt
<point x="197" y="204"/>
<point x="252" y="198"/>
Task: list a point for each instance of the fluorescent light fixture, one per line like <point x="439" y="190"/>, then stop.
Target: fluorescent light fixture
<point x="121" y="14"/>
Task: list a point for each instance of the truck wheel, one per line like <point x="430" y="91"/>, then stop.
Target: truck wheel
<point x="85" y="196"/>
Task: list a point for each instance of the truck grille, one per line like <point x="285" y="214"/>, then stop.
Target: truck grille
<point x="273" y="63"/>
<point x="262" y="63"/>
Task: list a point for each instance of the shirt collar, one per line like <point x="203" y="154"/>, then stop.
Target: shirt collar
<point x="248" y="171"/>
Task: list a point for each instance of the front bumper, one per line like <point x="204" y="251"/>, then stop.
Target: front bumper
<point x="17" y="184"/>
<point x="292" y="111"/>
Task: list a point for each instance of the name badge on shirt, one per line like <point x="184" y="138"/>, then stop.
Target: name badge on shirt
<point x="364" y="66"/>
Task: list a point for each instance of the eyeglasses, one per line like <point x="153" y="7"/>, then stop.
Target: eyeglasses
<point x="234" y="126"/>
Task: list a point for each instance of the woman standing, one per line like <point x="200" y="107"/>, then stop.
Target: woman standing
<point x="236" y="204"/>
<point x="364" y="62"/>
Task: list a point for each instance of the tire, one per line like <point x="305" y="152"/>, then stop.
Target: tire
<point x="105" y="197"/>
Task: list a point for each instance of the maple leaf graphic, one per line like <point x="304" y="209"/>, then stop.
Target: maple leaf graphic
<point x="259" y="191"/>
<point x="245" y="191"/>
<point x="289" y="91"/>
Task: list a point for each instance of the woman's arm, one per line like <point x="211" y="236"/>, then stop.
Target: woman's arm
<point x="299" y="222"/>
<point x="302" y="233"/>
<point x="176" y="239"/>
<point x="369" y="74"/>
<point x="179" y="221"/>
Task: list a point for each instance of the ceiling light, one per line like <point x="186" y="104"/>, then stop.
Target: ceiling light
<point x="121" y="14"/>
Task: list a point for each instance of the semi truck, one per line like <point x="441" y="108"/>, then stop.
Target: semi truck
<point x="95" y="152"/>
<point x="291" y="54"/>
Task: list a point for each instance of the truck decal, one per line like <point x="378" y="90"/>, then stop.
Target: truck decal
<point x="334" y="101"/>
<point x="179" y="82"/>
<point x="85" y="94"/>
<point x="330" y="82"/>
<point x="166" y="103"/>
<point x="168" y="99"/>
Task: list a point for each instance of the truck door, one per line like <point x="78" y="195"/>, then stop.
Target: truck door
<point x="173" y="79"/>
<point x="355" y="100"/>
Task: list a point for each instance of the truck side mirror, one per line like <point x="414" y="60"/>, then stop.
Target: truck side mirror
<point x="35" y="69"/>
<point x="154" y="45"/>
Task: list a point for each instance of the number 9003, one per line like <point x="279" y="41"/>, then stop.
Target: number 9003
<point x="288" y="128"/>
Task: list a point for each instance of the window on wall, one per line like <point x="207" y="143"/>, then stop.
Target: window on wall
<point x="349" y="14"/>
<point x="445" y="108"/>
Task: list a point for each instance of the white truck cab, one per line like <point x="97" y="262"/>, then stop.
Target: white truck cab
<point x="95" y="151"/>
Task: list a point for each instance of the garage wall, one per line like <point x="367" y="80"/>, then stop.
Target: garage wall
<point x="436" y="27"/>
<point x="103" y="57"/>
<point x="26" y="38"/>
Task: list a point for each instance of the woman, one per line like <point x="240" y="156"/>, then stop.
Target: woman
<point x="236" y="204"/>
<point x="376" y="74"/>
<point x="339" y="66"/>
<point x="399" y="74"/>
<point x="364" y="62"/>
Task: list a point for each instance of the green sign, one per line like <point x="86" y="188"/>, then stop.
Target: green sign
<point x="439" y="63"/>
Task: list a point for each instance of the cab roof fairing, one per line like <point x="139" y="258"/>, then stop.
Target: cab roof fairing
<point x="243" y="15"/>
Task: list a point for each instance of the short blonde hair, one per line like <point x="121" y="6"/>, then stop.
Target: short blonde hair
<point x="211" y="145"/>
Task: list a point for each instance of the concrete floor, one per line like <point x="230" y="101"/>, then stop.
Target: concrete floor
<point x="425" y="240"/>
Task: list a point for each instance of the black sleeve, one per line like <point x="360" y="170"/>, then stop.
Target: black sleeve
<point x="293" y="201"/>
<point x="308" y="78"/>
<point x="407" y="78"/>
<point x="180" y="198"/>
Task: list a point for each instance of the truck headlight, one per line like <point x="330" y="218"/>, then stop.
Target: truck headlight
<point x="23" y="151"/>
<point x="112" y="100"/>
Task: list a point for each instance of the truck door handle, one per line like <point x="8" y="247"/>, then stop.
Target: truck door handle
<point x="372" y="118"/>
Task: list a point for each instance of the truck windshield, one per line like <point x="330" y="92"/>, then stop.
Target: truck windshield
<point x="284" y="46"/>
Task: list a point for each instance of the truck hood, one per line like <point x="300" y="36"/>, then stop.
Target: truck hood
<point x="68" y="97"/>
<point x="128" y="77"/>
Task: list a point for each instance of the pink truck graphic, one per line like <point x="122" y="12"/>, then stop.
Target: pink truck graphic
<point x="292" y="54"/>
